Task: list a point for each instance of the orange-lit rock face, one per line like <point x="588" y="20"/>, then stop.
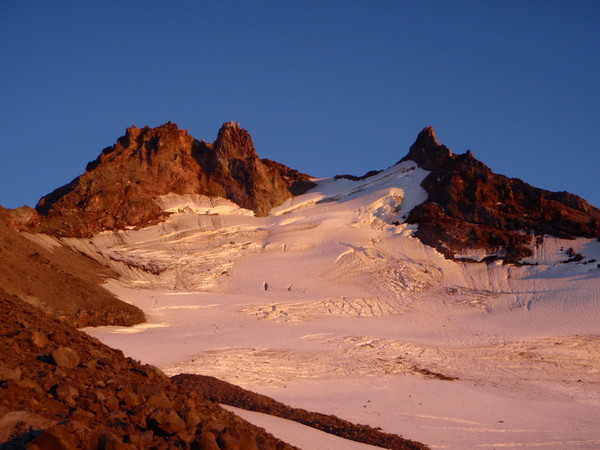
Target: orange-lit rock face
<point x="118" y="188"/>
<point x="469" y="207"/>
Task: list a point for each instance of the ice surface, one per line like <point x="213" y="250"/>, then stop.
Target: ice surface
<point x="330" y="304"/>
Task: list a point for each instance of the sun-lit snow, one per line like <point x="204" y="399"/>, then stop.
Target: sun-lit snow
<point x="330" y="304"/>
<point x="297" y="434"/>
<point x="200" y="204"/>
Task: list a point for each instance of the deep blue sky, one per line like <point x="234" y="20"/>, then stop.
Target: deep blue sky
<point x="325" y="87"/>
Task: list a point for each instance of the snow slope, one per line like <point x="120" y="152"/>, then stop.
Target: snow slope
<point x="330" y="304"/>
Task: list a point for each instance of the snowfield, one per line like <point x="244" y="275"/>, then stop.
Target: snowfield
<point x="330" y="304"/>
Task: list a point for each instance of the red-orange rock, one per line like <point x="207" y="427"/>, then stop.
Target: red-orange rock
<point x="119" y="188"/>
<point x="65" y="357"/>
<point x="468" y="206"/>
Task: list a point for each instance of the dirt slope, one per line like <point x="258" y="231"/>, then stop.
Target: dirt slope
<point x="60" y="281"/>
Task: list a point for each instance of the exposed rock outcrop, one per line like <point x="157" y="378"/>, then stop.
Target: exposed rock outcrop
<point x="119" y="188"/>
<point x="470" y="207"/>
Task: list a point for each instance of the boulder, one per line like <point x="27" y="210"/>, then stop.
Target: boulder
<point x="119" y="188"/>
<point x="65" y="390"/>
<point x="65" y="435"/>
<point x="33" y="337"/>
<point x="9" y="373"/>
<point x="165" y="422"/>
<point x="65" y="357"/>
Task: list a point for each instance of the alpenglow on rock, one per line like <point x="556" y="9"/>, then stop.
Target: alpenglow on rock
<point x="470" y="207"/>
<point x="119" y="188"/>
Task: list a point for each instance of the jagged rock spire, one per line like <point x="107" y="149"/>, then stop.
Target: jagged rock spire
<point x="426" y="138"/>
<point x="233" y="142"/>
<point x="118" y="189"/>
<point x="427" y="151"/>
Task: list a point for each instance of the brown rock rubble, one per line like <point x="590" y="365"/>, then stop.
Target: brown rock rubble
<point x="227" y="393"/>
<point x="74" y="392"/>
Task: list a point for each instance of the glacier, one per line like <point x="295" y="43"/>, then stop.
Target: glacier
<point x="331" y="304"/>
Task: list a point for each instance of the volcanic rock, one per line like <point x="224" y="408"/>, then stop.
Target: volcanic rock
<point x="65" y="357"/>
<point x="33" y="337"/>
<point x="120" y="187"/>
<point x="470" y="207"/>
<point x="20" y="427"/>
<point x="80" y="408"/>
<point x="9" y="373"/>
<point x="165" y="422"/>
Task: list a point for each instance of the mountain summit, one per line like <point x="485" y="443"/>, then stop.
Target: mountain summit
<point x="119" y="188"/>
<point x="468" y="206"/>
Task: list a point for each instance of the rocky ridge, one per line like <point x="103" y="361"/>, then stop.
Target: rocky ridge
<point x="119" y="188"/>
<point x="470" y="207"/>
<point x="230" y="394"/>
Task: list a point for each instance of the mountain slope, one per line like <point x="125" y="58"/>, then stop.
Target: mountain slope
<point x="333" y="303"/>
<point x="354" y="299"/>
<point x="60" y="281"/>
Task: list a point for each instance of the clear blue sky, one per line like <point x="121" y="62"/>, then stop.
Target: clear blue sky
<point x="326" y="87"/>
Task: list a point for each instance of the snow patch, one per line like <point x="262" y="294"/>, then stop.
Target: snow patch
<point x="296" y="434"/>
<point x="199" y="204"/>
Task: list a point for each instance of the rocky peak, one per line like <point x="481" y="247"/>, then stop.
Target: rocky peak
<point x="470" y="207"/>
<point x="427" y="151"/>
<point x="143" y="144"/>
<point x="427" y="138"/>
<point x="233" y="142"/>
<point x="119" y="187"/>
<point x="149" y="138"/>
